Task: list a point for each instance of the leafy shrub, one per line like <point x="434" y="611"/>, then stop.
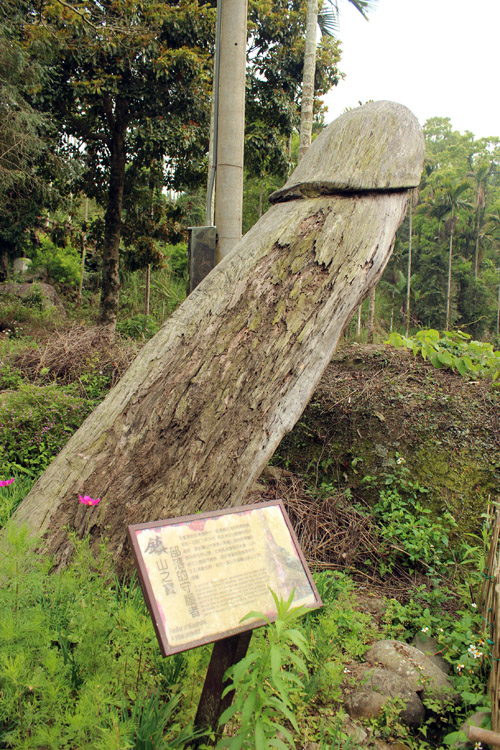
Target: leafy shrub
<point x="452" y="349"/>
<point x="177" y="259"/>
<point x="417" y="538"/>
<point x="10" y="377"/>
<point x="62" y="263"/>
<point x="35" y="423"/>
<point x="35" y="298"/>
<point x="12" y="495"/>
<point x="79" y="662"/>
<point x="139" y="326"/>
<point x="265" y="681"/>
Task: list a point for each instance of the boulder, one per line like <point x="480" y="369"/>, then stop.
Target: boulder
<point x="378" y="687"/>
<point x="23" y="291"/>
<point x="431" y="648"/>
<point x="415" y="667"/>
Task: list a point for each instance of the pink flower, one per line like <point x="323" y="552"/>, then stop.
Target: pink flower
<point x="86" y="500"/>
<point x="5" y="482"/>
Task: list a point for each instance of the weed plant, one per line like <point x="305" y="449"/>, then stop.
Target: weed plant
<point x="453" y="349"/>
<point x="79" y="660"/>
<point x="35" y="423"/>
<point x="416" y="536"/>
<point x="12" y="495"/>
<point x="266" y="681"/>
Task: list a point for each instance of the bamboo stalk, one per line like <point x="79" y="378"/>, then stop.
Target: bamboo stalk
<point x="476" y="734"/>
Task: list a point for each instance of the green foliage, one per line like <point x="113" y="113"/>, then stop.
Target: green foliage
<point x="35" y="423"/>
<point x="459" y="634"/>
<point x="62" y="263"/>
<point x="417" y="538"/>
<point x="12" y="495"/>
<point x="80" y="665"/>
<point x="138" y="326"/>
<point x="456" y="210"/>
<point x="10" y="378"/>
<point x="177" y="259"/>
<point x="24" y="319"/>
<point x="336" y="633"/>
<point x="265" y="682"/>
<point x="454" y="350"/>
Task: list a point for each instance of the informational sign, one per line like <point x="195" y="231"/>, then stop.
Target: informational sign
<point x="202" y="574"/>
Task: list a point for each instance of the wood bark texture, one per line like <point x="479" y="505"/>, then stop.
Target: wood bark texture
<point x="307" y="102"/>
<point x="205" y="404"/>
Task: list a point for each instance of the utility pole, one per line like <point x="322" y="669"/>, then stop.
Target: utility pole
<point x="231" y="126"/>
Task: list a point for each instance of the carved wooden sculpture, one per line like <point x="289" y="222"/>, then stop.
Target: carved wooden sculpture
<point x="206" y="402"/>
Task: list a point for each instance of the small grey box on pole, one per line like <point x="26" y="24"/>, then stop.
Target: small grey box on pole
<point x="201" y="253"/>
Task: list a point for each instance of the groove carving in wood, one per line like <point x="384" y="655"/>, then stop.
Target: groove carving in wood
<point x="203" y="407"/>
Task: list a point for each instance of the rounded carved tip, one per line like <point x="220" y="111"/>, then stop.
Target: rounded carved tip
<point x="379" y="146"/>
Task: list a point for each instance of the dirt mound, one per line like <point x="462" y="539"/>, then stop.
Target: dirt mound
<point x="374" y="402"/>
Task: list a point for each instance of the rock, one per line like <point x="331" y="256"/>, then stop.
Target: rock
<point x="414" y="666"/>
<point x="430" y="647"/>
<point x="47" y="291"/>
<point x="377" y="688"/>
<point x="370" y="603"/>
<point x="365" y="704"/>
<point x="354" y="731"/>
<point x="21" y="265"/>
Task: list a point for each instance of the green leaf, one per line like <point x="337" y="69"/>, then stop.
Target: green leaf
<point x="275" y="661"/>
<point x="446" y="358"/>
<point x="227" y="714"/>
<point x="434" y="358"/>
<point x="260" y="735"/>
<point x="283" y="708"/>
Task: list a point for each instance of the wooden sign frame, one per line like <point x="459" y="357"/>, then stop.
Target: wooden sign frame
<point x="255" y="545"/>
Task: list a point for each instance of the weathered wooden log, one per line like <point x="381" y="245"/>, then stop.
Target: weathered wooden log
<point x="476" y="734"/>
<point x="206" y="402"/>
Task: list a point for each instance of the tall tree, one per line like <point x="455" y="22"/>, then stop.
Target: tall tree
<point x="274" y="82"/>
<point x="129" y="82"/>
<point x="25" y="155"/>
<point x="480" y="176"/>
<point x="493" y="231"/>
<point x="448" y="200"/>
<point x="329" y="23"/>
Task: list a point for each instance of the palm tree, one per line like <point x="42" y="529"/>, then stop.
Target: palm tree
<point x="327" y="19"/>
<point x="493" y="232"/>
<point x="444" y="206"/>
<point x="480" y="175"/>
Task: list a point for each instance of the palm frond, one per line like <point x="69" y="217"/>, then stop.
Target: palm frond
<point x="328" y="22"/>
<point x="328" y="16"/>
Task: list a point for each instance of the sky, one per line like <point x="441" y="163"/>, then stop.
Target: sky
<point x="440" y="58"/>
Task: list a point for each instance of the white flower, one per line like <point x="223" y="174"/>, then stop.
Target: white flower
<point x="425" y="630"/>
<point x="478" y="746"/>
<point x="474" y="605"/>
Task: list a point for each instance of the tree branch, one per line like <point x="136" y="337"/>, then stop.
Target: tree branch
<point x="78" y="13"/>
